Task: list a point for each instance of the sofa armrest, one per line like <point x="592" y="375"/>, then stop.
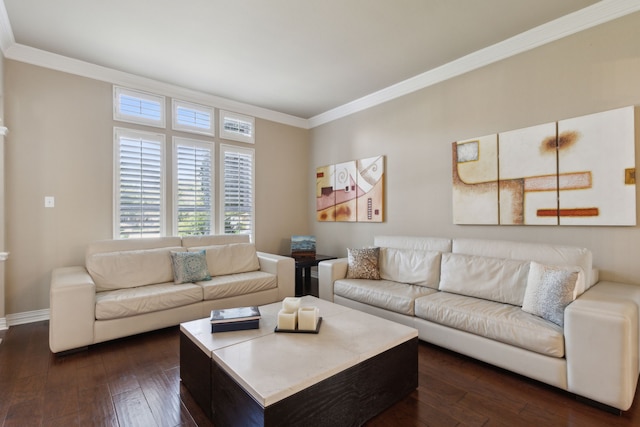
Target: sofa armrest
<point x="601" y="339"/>
<point x="72" y="300"/>
<point x="328" y="272"/>
<point x="283" y="267"/>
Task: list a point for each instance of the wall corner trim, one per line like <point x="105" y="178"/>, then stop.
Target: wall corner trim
<point x="27" y="317"/>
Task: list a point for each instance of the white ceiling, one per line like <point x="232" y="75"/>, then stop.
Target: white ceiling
<point x="303" y="58"/>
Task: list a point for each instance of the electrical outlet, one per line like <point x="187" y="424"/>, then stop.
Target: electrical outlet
<point x="49" y="201"/>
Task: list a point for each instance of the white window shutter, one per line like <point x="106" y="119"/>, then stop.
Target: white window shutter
<point x="139" y="184"/>
<point x="193" y="187"/>
<point x="237" y="190"/>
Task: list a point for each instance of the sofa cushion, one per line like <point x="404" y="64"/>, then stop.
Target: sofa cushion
<point x="539" y="252"/>
<point x="549" y="290"/>
<point x="495" y="279"/>
<point x="415" y="267"/>
<point x="129" y="269"/>
<point x="501" y="322"/>
<point x="145" y="299"/>
<point x="438" y="244"/>
<point x="189" y="267"/>
<point x="230" y="259"/>
<point x="238" y="284"/>
<point x="363" y="263"/>
<point x="393" y="296"/>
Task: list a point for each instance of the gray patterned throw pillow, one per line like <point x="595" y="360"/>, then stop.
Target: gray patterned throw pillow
<point x="363" y="263"/>
<point x="549" y="291"/>
<point x="189" y="267"/>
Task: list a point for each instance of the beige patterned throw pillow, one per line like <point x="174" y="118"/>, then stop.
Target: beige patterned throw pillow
<point x="363" y="263"/>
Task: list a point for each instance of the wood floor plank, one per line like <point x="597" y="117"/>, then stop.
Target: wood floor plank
<point x="132" y="409"/>
<point x="136" y="381"/>
<point x="95" y="406"/>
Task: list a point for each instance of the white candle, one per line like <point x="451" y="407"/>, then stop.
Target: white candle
<point x="307" y="318"/>
<point x="287" y="321"/>
<point x="291" y="304"/>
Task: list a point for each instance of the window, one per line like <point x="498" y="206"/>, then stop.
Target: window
<point x="237" y="190"/>
<point x="139" y="184"/>
<point x="192" y="187"/>
<point x="138" y="107"/>
<point x="193" y="118"/>
<point x="237" y="127"/>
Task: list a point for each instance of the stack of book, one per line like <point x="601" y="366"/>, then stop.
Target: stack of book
<point x="235" y="319"/>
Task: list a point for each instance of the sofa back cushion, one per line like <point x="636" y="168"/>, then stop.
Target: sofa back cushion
<point x="230" y="259"/>
<point x="412" y="266"/>
<point x="439" y="244"/>
<point x="567" y="256"/>
<point x="129" y="269"/>
<point x="218" y="239"/>
<point x="495" y="279"/>
<point x="118" y="245"/>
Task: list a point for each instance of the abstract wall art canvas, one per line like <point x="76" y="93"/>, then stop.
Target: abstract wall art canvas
<point x="371" y="189"/>
<point x="578" y="171"/>
<point x="475" y="181"/>
<point x="346" y="191"/>
<point x="351" y="191"/>
<point x="325" y="196"/>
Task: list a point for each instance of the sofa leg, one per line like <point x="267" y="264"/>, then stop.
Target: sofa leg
<point x="72" y="351"/>
<point x="599" y="405"/>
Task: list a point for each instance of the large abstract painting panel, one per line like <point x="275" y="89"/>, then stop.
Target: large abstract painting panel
<point x="596" y="158"/>
<point x="370" y="182"/>
<point x="325" y="195"/>
<point x="578" y="171"/>
<point x="528" y="174"/>
<point x="475" y="181"/>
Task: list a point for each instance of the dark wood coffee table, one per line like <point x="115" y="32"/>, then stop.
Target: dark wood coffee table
<point x="354" y="368"/>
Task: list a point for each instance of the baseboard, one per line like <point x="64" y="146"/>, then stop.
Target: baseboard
<point x="27" y="317"/>
<point x="3" y="323"/>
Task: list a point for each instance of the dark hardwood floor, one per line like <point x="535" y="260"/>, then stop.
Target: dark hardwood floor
<point x="135" y="382"/>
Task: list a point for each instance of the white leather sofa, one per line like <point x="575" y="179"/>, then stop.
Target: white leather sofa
<point x="467" y="295"/>
<point x="127" y="287"/>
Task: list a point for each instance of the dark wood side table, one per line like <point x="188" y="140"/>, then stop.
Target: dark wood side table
<point x="303" y="271"/>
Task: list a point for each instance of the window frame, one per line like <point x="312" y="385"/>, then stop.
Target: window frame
<point x="178" y="103"/>
<point x="119" y="115"/>
<point x="225" y="148"/>
<point x="237" y="136"/>
<point x="159" y="138"/>
<point x="176" y="141"/>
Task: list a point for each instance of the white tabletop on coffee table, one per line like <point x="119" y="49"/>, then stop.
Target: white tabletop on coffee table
<point x="272" y="366"/>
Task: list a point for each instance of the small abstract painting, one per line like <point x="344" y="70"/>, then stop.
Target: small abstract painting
<point x="352" y="191"/>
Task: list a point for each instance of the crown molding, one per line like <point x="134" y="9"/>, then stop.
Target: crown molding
<point x="583" y="19"/>
<point x="30" y="55"/>
<point x="6" y="33"/>
<point x="591" y="16"/>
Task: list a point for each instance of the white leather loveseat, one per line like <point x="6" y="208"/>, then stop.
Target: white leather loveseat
<point x="127" y="286"/>
<point x="470" y="296"/>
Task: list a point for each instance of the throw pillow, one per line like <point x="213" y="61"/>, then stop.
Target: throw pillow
<point x="363" y="263"/>
<point x="549" y="290"/>
<point x="189" y="267"/>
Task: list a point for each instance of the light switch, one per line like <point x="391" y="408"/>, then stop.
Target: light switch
<point x="49" y="201"/>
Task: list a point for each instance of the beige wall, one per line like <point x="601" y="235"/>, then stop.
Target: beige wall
<point x="593" y="71"/>
<point x="61" y="144"/>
